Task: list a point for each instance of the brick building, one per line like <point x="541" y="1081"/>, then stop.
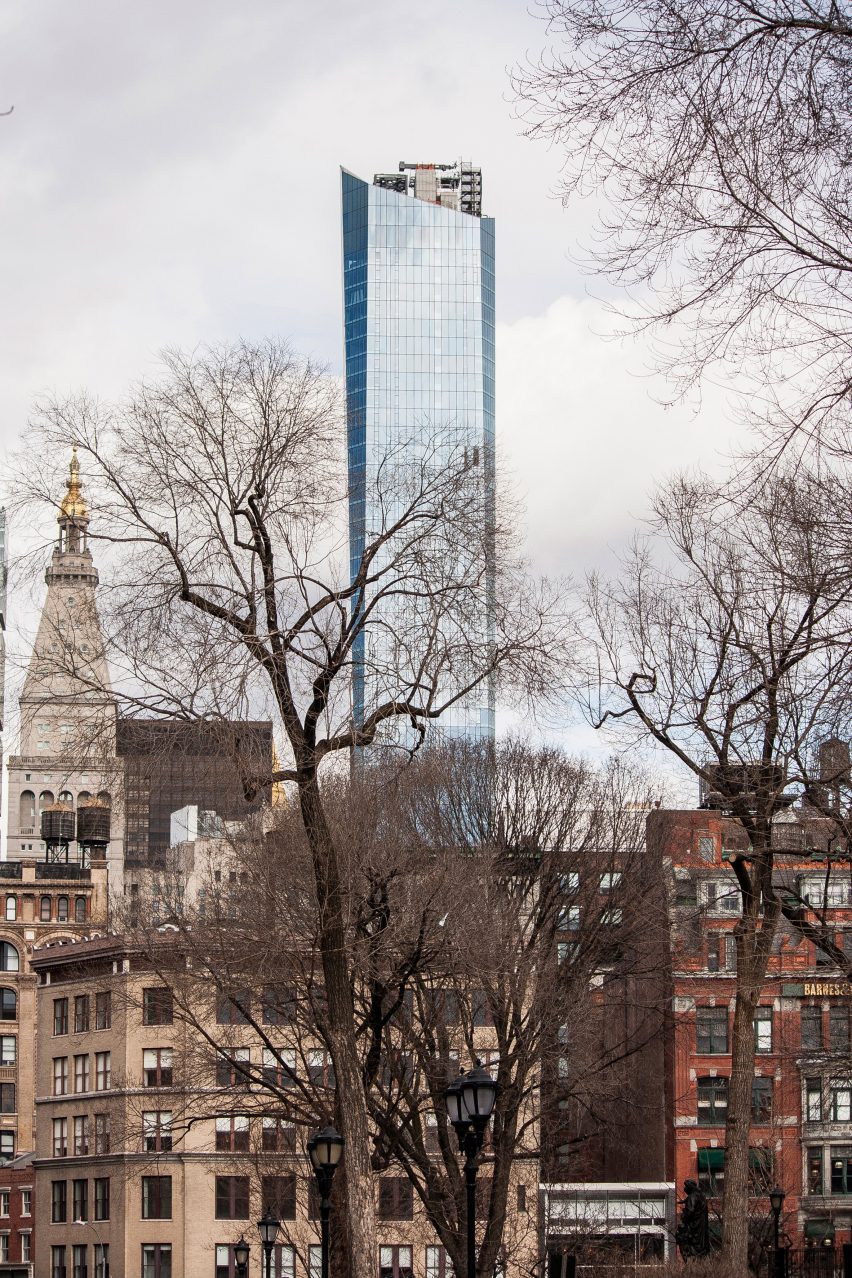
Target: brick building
<point x="801" y="1116"/>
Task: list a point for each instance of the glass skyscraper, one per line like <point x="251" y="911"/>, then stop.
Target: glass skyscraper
<point x="418" y="302"/>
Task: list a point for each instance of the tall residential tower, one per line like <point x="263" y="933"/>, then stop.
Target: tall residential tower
<point x="418" y="297"/>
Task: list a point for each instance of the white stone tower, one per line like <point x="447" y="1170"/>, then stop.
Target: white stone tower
<point x="67" y="709"/>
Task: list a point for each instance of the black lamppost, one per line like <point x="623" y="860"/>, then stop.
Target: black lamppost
<point x="776" y="1202"/>
<point x="241" y="1257"/>
<point x="325" y="1149"/>
<point x="268" y="1227"/>
<point x="470" y="1101"/>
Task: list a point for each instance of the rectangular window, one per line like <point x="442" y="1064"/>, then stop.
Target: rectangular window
<point x="396" y="1199"/>
<point x="763" y="1029"/>
<point x="438" y="1263"/>
<point x="81" y="1199"/>
<point x="157" y="1066"/>
<point x="712" y="1102"/>
<point x="279" y="1193"/>
<point x="279" y="1067"/>
<point x="60" y="1075"/>
<point x="232" y="1009"/>
<point x="841" y="1169"/>
<point x="5" y="1201"/>
<point x="81" y="1135"/>
<point x="57" y="1262"/>
<point x="102" y="1134"/>
<point x="101" y="1260"/>
<point x="103" y="1010"/>
<point x="7" y="1146"/>
<point x="26" y="1248"/>
<point x="8" y="1049"/>
<point x="79" y="1260"/>
<point x="814" y="1171"/>
<point x="609" y="882"/>
<point x="103" y="1071"/>
<point x="761" y="1100"/>
<point x="26" y="1202"/>
<point x="284" y="1261"/>
<point x="810" y="1021"/>
<point x="813" y="1100"/>
<point x="840" y="1102"/>
<point x="277" y="1006"/>
<point x="156" y="1260"/>
<point x="711" y="1030"/>
<point x="320" y="1068"/>
<point x="707" y="847"/>
<point x="156" y="1197"/>
<point x="8" y="1102"/>
<point x="232" y="1197"/>
<point x="81" y="1014"/>
<point x="60" y="1138"/>
<point x="58" y="1202"/>
<point x="394" y="1262"/>
<point x="838" y="1029"/>
<point x="4" y="1240"/>
<point x="232" y="1134"/>
<point x="278" y="1136"/>
<point x="60" y="1020"/>
<point x="730" y="952"/>
<point x="711" y="1171"/>
<point x="81" y="1073"/>
<point x="157" y="1006"/>
<point x="227" y="1072"/>
<point x="102" y="1198"/>
<point x="157" y="1131"/>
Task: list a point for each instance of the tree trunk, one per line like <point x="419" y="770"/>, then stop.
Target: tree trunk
<point x="351" y="1102"/>
<point x="752" y="961"/>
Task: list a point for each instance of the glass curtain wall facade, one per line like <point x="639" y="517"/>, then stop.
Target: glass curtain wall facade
<point x="418" y="290"/>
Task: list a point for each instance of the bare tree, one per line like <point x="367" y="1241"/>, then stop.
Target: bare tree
<point x="494" y="897"/>
<point x="716" y="135"/>
<point x="731" y="650"/>
<point x="221" y="500"/>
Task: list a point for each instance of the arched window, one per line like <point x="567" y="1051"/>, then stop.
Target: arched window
<point x="45" y="799"/>
<point x="26" y="810"/>
<point x="62" y="909"/>
<point x="11" y="908"/>
<point x="8" y="1004"/>
<point x="65" y="796"/>
<point x="83" y="796"/>
<point x="10" y="960"/>
<point x="45" y="909"/>
<point x="105" y="797"/>
<point x="79" y="909"/>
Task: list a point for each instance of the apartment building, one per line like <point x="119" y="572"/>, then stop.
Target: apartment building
<point x="156" y="1149"/>
<point x="801" y="1112"/>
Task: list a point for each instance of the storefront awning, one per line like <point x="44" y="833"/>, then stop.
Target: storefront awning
<point x="711" y="1160"/>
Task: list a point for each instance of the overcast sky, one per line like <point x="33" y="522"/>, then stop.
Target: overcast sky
<point x="170" y="174"/>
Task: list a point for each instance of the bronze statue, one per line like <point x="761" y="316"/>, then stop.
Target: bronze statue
<point x="693" y="1232"/>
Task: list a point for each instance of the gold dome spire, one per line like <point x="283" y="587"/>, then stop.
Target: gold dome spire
<point x="74" y="504"/>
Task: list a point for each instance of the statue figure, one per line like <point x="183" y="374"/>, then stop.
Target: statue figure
<point x="693" y="1232"/>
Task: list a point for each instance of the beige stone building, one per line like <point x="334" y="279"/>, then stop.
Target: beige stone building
<point x="154" y="1153"/>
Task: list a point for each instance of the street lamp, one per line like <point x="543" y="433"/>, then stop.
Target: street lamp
<point x="241" y="1257"/>
<point x="470" y="1102"/>
<point x="776" y="1202"/>
<point x="268" y="1227"/>
<point x="324" y="1150"/>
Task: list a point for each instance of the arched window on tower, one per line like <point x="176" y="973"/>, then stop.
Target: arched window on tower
<point x="83" y="796"/>
<point x="62" y="909"/>
<point x="65" y="796"/>
<point x="27" y="810"/>
<point x="11" y="908"/>
<point x="45" y="799"/>
<point x="46" y="909"/>
<point x="79" y="909"/>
